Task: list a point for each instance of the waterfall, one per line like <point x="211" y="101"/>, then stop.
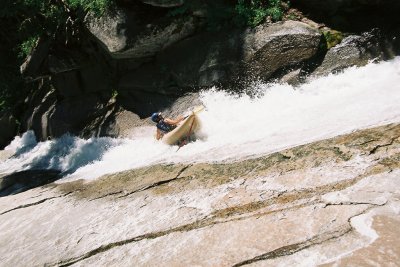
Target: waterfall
<point x="276" y="117"/>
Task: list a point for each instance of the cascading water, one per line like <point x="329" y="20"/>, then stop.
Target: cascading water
<point x="234" y="127"/>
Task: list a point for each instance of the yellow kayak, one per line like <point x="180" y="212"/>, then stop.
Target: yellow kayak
<point x="185" y="128"/>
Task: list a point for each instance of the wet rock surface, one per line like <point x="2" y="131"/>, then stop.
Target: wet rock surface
<point x="24" y="180"/>
<point x="332" y="201"/>
<point x="8" y="126"/>
<point x="354" y="50"/>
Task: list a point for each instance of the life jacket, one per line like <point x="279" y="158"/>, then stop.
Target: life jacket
<point x="165" y="127"/>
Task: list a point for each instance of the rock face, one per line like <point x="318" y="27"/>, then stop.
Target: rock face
<point x="25" y="180"/>
<point x="311" y="204"/>
<point x="268" y="49"/>
<point x="354" y="50"/>
<point x="9" y="127"/>
<point x="211" y="58"/>
<point x="33" y="65"/>
<point x="124" y="36"/>
<point x="52" y="114"/>
<point x="144" y="55"/>
<point x="73" y="92"/>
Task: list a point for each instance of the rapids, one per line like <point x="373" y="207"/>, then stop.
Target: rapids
<point x="234" y="126"/>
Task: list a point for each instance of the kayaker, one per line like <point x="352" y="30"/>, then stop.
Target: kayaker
<point x="164" y="125"/>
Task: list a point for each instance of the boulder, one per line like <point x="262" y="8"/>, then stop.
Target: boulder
<point x="40" y="104"/>
<point x="51" y="115"/>
<point x="268" y="49"/>
<point x="124" y="35"/>
<point x="217" y="57"/>
<point x="66" y="62"/>
<point x="33" y="66"/>
<point x="111" y="28"/>
<point x="87" y="79"/>
<point x="196" y="61"/>
<point x="164" y="3"/>
<point x="9" y="127"/>
<point x="82" y="116"/>
<point x="354" y="50"/>
<point x="292" y="77"/>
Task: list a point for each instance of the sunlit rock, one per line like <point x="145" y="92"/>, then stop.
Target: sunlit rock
<point x="327" y="202"/>
<point x="354" y="50"/>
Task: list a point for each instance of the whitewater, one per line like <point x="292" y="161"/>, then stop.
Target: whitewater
<point x="234" y="127"/>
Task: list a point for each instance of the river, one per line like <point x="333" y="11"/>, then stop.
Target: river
<point x="234" y="127"/>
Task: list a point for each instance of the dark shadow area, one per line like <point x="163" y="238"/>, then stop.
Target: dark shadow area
<point x="352" y="16"/>
<point x="190" y="65"/>
<point x="18" y="182"/>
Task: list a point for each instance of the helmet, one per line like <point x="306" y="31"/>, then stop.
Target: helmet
<point x="155" y="117"/>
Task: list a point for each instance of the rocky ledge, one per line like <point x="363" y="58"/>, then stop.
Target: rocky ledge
<point x="335" y="201"/>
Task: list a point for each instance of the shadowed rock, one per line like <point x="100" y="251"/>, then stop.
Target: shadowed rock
<point x="217" y="58"/>
<point x="8" y="126"/>
<point x="164" y="3"/>
<point x="18" y="182"/>
<point x="124" y="35"/>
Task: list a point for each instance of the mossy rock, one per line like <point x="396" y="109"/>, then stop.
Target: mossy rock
<point x="332" y="38"/>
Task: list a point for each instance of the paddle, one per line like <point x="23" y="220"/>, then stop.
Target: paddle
<point x="197" y="109"/>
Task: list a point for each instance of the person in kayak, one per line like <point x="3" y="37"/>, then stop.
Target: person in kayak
<point x="164" y="125"/>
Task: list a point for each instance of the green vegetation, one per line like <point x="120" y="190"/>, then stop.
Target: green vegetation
<point x="254" y="12"/>
<point x="114" y="94"/>
<point x="23" y="22"/>
<point x="240" y="12"/>
<point x="97" y="7"/>
<point x="332" y="38"/>
<point x="27" y="46"/>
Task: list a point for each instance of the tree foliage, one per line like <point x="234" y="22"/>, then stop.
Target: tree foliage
<point x="254" y="12"/>
<point x="23" y="22"/>
<point x="237" y="12"/>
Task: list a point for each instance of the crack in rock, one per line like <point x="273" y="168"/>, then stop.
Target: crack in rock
<point x="106" y="195"/>
<point x="344" y="203"/>
<point x="293" y="248"/>
<point x="375" y="148"/>
<point x="213" y="220"/>
<point x="282" y="198"/>
<point x="34" y="203"/>
<point x="315" y="240"/>
<point x="248" y="210"/>
<point x="158" y="183"/>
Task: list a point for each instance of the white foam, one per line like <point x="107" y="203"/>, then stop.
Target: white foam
<point x="22" y="144"/>
<point x="66" y="154"/>
<point x="236" y="127"/>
